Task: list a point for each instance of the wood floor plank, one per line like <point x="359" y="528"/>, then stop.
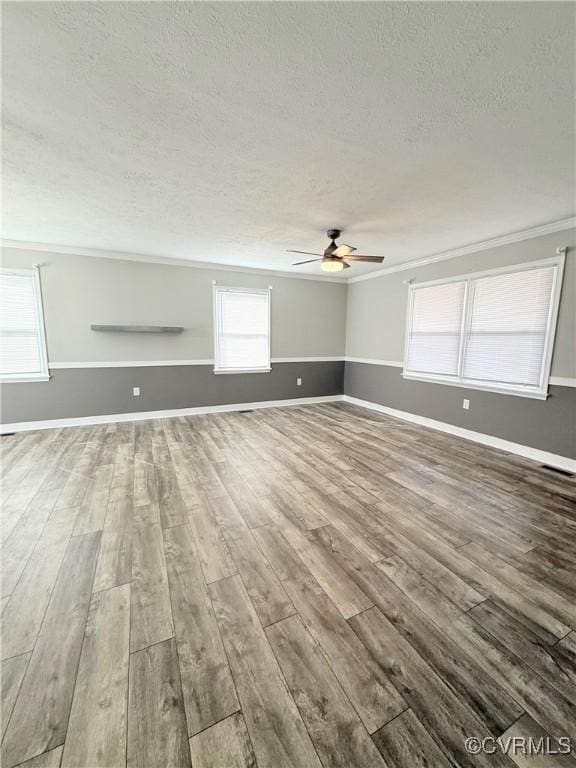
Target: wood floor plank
<point x="226" y="743"/>
<point x="24" y="612"/>
<point x="115" y="559"/>
<point x="533" y="615"/>
<point x="369" y="690"/>
<point x="151" y="620"/>
<point x="492" y="704"/>
<point x="564" y="654"/>
<point x="214" y="554"/>
<point x="343" y="592"/>
<point x="276" y="729"/>
<point x="527" y="646"/>
<point x="156" y="719"/>
<point x="528" y="729"/>
<point x="540" y="699"/>
<point x="51" y="759"/>
<point x="263" y="586"/>
<point x="18" y="547"/>
<point x="248" y="504"/>
<point x="11" y="674"/>
<point x="405" y="743"/>
<point x="40" y="717"/>
<point x="207" y="684"/>
<point x="444" y="716"/>
<point x="549" y="600"/>
<point x="468" y="553"/>
<point x="96" y="736"/>
<point x="341" y="739"/>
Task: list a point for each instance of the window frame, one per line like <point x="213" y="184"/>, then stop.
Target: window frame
<point x="541" y="391"/>
<point x="44" y="375"/>
<point x="216" y="289"/>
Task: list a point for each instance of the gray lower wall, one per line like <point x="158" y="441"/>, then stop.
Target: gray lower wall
<point x="73" y="392"/>
<point x="545" y="424"/>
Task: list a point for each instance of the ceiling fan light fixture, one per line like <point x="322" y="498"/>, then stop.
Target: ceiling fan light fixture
<point x="344" y="250"/>
<point x="332" y="265"/>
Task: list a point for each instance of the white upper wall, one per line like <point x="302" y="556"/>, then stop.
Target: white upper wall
<point x="308" y="316"/>
<point x="229" y="132"/>
<point x="376" y="319"/>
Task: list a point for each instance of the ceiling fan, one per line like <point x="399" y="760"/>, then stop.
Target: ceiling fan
<point x="336" y="257"/>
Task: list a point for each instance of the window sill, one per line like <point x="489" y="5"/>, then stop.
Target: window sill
<point x="23" y="379"/>
<point x="534" y="394"/>
<point x="241" y="370"/>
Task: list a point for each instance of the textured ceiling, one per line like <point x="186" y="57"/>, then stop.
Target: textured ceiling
<point x="231" y="131"/>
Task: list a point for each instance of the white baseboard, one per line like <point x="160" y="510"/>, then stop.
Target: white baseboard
<point x="82" y="421"/>
<point x="542" y="457"/>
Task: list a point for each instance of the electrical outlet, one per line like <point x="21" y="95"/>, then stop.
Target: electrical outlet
<point x="466" y="404"/>
<point x="136" y="391"/>
<point x="299" y="382"/>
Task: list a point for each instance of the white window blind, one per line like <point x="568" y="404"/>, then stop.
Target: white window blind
<point x="491" y="330"/>
<point x="22" y="343"/>
<point x="506" y="338"/>
<point x="434" y="335"/>
<point x="242" y="329"/>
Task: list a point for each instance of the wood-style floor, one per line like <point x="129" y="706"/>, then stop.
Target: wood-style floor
<point x="314" y="586"/>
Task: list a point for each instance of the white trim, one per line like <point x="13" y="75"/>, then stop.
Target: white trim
<point x="498" y="389"/>
<point x="25" y="426"/>
<point x="129" y="363"/>
<point x="334" y="359"/>
<point x="225" y="371"/>
<point x="206" y="361"/>
<point x="483" y="245"/>
<point x="374" y="361"/>
<point x="543" y="457"/>
<point x="561" y="381"/>
<point x="540" y="392"/>
<point x="217" y="290"/>
<point x="70" y="250"/>
<point x="522" y="266"/>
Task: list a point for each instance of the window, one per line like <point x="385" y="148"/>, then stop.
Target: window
<point x="491" y="330"/>
<point x="241" y="330"/>
<point x="22" y="340"/>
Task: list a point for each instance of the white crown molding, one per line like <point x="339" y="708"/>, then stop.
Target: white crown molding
<point x="163" y="363"/>
<point x="69" y="250"/>
<point x="542" y="457"/>
<point x="26" y="426"/>
<point x="514" y="237"/>
<point x="484" y="245"/>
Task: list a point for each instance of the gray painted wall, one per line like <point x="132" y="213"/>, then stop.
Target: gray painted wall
<point x="376" y="326"/>
<point x="308" y="319"/>
<point x="308" y="316"/>
<point x="75" y="392"/>
<point x="544" y="424"/>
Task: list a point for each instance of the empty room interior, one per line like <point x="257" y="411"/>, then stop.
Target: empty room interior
<point x="288" y="385"/>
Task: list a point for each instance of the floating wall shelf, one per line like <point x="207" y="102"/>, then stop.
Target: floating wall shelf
<point x="138" y="328"/>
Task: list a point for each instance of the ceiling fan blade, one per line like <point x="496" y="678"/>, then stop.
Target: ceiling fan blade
<point x="297" y="264"/>
<point x="306" y="253"/>
<point x="345" y="265"/>
<point x="373" y="259"/>
<point x="343" y="250"/>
